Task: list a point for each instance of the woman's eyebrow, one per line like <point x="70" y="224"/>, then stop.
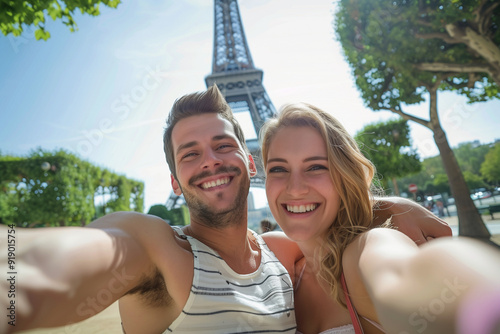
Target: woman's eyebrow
<point x="315" y="158"/>
<point x="305" y="160"/>
<point x="276" y="160"/>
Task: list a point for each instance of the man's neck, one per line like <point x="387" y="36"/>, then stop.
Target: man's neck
<point x="233" y="243"/>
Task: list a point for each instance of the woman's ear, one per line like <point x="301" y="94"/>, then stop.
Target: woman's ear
<point x="175" y="186"/>
<point x="251" y="166"/>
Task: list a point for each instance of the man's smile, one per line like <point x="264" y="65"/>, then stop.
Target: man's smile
<point x="214" y="183"/>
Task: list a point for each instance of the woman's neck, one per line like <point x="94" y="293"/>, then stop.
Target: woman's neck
<point x="310" y="249"/>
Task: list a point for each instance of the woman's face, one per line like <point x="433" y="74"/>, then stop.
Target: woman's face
<point x="299" y="188"/>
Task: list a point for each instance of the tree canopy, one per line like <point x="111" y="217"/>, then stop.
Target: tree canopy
<point x="388" y="146"/>
<point x="58" y="188"/>
<point x="159" y="210"/>
<point x="432" y="178"/>
<point x="471" y="155"/>
<point x="397" y="47"/>
<point x="491" y="165"/>
<point x="402" y="52"/>
<point x="16" y="15"/>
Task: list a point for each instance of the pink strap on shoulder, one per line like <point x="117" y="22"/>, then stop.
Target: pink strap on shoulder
<point x="352" y="311"/>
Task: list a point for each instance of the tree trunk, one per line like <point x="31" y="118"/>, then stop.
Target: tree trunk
<point x="470" y="223"/>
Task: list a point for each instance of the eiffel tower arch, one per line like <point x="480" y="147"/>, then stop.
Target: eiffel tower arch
<point x="237" y="78"/>
<point x="239" y="81"/>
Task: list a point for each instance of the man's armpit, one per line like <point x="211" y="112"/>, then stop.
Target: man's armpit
<point x="152" y="290"/>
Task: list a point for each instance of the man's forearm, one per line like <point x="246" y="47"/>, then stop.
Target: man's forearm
<point x="410" y="218"/>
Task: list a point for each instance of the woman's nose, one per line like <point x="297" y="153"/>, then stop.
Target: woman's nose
<point x="297" y="186"/>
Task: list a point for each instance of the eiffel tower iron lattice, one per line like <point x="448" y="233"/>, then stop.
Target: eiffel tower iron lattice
<point x="239" y="81"/>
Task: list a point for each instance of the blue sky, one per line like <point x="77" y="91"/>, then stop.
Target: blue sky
<point x="104" y="91"/>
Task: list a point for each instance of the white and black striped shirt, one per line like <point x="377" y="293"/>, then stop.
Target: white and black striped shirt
<point x="223" y="301"/>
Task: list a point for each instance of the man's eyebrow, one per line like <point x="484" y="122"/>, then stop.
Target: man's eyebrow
<point x="194" y="143"/>
<point x="186" y="146"/>
<point x="221" y="137"/>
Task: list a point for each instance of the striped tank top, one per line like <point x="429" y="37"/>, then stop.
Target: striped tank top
<point x="223" y="301"/>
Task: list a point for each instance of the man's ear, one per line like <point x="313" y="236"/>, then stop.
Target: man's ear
<point x="175" y="186"/>
<point x="251" y="166"/>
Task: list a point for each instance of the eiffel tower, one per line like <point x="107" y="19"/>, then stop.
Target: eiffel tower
<point x="239" y="81"/>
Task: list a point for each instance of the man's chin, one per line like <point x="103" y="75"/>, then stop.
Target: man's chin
<point x="222" y="209"/>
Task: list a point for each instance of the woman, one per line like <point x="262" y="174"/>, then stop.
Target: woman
<point x="318" y="187"/>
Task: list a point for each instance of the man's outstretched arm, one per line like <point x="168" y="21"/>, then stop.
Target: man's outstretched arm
<point x="68" y="274"/>
<point x="412" y="219"/>
<point x="406" y="282"/>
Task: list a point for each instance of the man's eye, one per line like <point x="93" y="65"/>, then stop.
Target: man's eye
<point x="223" y="146"/>
<point x="277" y="169"/>
<point x="188" y="155"/>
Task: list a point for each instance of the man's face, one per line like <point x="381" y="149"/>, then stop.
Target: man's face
<point x="213" y="170"/>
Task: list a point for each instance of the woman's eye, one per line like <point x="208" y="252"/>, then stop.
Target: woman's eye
<point x="277" y="170"/>
<point x="318" y="167"/>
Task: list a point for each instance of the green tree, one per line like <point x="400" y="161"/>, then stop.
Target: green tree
<point x="402" y="51"/>
<point x="58" y="188"/>
<point x="474" y="181"/>
<point x="178" y="216"/>
<point x="490" y="168"/>
<point x="388" y="146"/>
<point x="431" y="168"/>
<point x="441" y="184"/>
<point x="470" y="156"/>
<point x="159" y="210"/>
<point x="16" y="15"/>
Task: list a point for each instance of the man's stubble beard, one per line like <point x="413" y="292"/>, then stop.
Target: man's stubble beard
<point x="207" y="215"/>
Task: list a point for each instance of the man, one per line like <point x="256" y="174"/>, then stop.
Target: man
<point x="212" y="276"/>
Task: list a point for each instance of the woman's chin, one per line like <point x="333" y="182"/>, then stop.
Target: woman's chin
<point x="298" y="234"/>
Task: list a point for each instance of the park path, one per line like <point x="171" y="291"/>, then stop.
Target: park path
<point x="106" y="322"/>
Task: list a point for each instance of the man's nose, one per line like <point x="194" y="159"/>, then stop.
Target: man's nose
<point x="211" y="160"/>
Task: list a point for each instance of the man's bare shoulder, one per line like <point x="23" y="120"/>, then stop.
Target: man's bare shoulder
<point x="149" y="231"/>
<point x="128" y="220"/>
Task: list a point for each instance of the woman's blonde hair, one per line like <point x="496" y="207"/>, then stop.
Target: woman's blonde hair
<point x="351" y="174"/>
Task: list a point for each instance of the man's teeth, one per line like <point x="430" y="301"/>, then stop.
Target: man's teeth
<point x="301" y="208"/>
<point x="215" y="183"/>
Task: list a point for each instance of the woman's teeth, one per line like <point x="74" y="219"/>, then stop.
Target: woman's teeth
<point x="301" y="208"/>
